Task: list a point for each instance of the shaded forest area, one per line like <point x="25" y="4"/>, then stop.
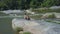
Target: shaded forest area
<point x="27" y="4"/>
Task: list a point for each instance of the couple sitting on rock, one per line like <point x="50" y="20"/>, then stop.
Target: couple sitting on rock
<point x="27" y="17"/>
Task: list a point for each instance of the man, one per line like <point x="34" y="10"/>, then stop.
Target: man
<point x="26" y="17"/>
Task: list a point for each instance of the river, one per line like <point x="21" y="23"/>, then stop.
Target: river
<point x="49" y="28"/>
<point x="5" y="26"/>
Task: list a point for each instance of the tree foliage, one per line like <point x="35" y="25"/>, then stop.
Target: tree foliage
<point x="48" y="3"/>
<point x="26" y="4"/>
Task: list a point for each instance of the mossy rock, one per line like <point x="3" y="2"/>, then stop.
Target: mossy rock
<point x="52" y="16"/>
<point x="19" y="29"/>
<point x="27" y="33"/>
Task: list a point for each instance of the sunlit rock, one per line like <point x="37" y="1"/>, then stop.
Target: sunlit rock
<point x="36" y="27"/>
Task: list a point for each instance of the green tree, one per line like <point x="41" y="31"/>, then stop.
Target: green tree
<point x="48" y="3"/>
<point x="26" y="4"/>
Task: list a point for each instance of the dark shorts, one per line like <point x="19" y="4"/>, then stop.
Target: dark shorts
<point x="27" y="18"/>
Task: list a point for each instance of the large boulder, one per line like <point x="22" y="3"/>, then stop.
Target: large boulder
<point x="36" y="27"/>
<point x="49" y="15"/>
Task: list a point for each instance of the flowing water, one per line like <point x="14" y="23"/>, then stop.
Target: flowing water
<point x="47" y="27"/>
<point x="6" y="23"/>
<point x="5" y="26"/>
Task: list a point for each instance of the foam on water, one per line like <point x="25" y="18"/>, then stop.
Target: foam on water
<point x="12" y="11"/>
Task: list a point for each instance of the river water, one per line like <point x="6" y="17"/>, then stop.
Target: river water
<point x="6" y="26"/>
<point x="6" y="23"/>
